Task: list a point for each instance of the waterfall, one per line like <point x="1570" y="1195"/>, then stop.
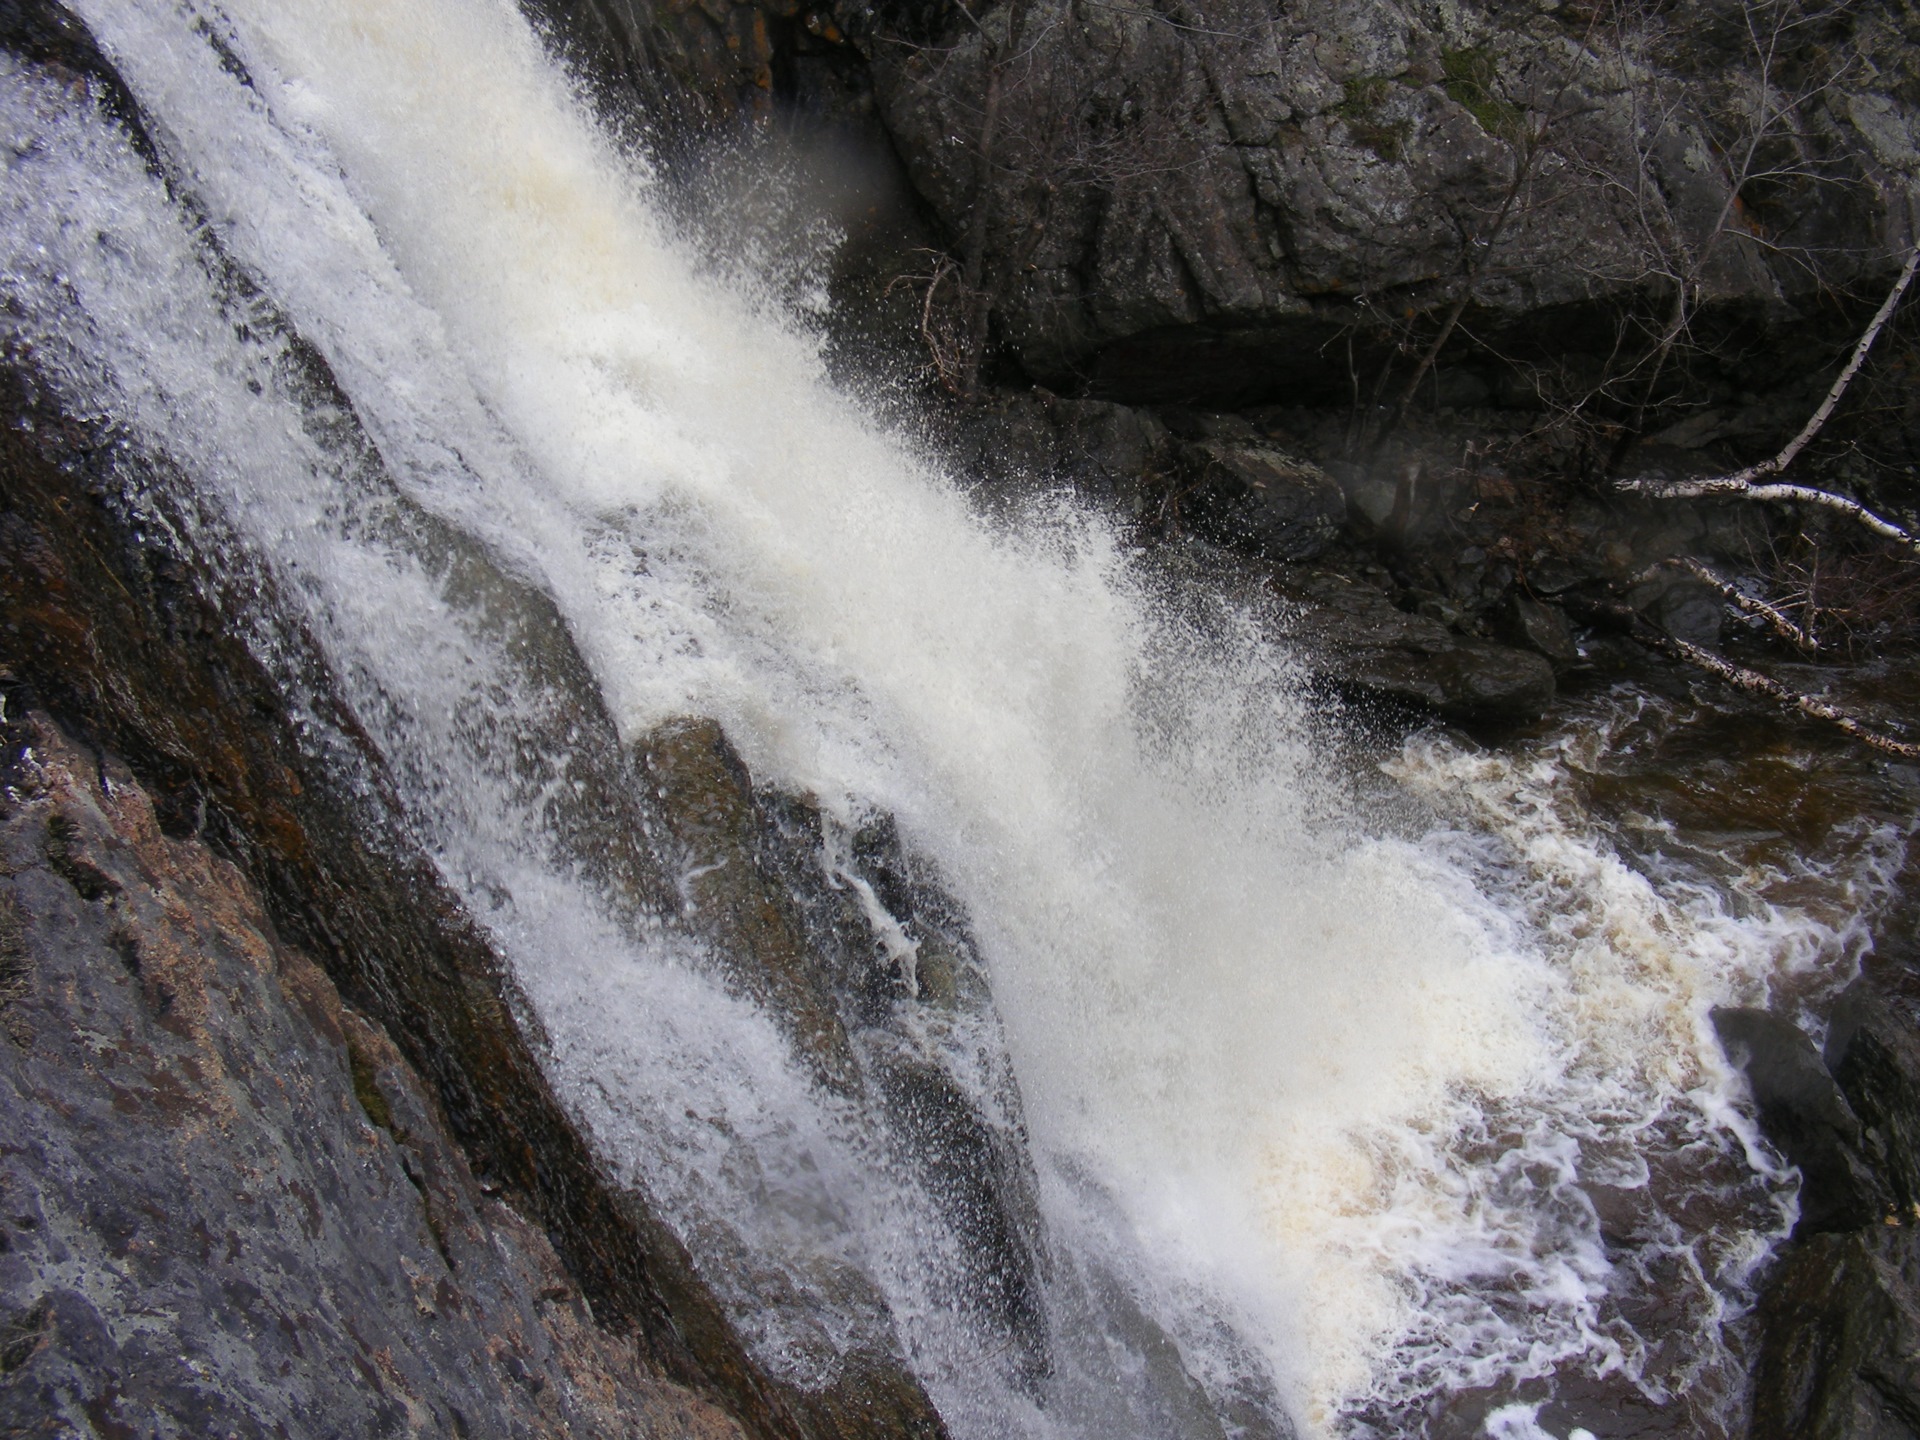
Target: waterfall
<point x="1317" y="1068"/>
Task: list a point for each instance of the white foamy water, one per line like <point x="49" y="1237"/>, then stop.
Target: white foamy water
<point x="1321" y="1094"/>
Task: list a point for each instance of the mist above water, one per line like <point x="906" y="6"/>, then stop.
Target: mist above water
<point x="1325" y="1083"/>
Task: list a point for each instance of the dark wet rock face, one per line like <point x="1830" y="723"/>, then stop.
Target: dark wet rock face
<point x="1873" y="1050"/>
<point x="1804" y="1112"/>
<point x="1839" y="1362"/>
<point x="852" y="944"/>
<point x="1191" y="199"/>
<point x="226" y="1198"/>
<point x="1839" y="1317"/>
<point x="1263" y="499"/>
<point x="1225" y="203"/>
<point x="113" y="633"/>
<point x="126" y="639"/>
<point x="1352" y="633"/>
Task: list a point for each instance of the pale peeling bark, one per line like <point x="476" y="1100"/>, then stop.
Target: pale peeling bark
<point x="1746" y="484"/>
<point x="1751" y="682"/>
<point x="1773" y="616"/>
<point x="1754" y="683"/>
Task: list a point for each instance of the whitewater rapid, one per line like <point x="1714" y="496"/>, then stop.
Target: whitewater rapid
<point x="1327" y="1072"/>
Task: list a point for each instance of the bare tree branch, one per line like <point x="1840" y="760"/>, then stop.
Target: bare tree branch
<point x="1775" y="618"/>
<point x="1733" y="485"/>
<point x="1754" y="683"/>
<point x="1621" y="616"/>
<point x="1807" y="495"/>
<point x="1742" y="482"/>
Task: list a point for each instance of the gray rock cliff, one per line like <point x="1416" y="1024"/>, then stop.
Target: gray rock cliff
<point x="228" y="1204"/>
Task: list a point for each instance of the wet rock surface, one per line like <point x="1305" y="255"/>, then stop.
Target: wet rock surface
<point x="852" y="945"/>
<point x="1224" y="204"/>
<point x="1803" y="1112"/>
<point x="132" y="645"/>
<point x="1260" y="497"/>
<point x="1352" y="634"/>
<point x="226" y="1199"/>
<point x="1839" y="1317"/>
<point x="1839" y="1360"/>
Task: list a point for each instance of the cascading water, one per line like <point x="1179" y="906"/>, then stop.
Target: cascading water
<point x="1321" y="1084"/>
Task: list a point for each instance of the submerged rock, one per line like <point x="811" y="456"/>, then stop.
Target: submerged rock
<point x="707" y="798"/>
<point x="868" y="964"/>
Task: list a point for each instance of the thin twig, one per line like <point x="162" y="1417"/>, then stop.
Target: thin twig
<point x="1527" y="150"/>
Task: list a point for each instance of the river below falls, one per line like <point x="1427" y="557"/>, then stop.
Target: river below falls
<point x="1726" y="808"/>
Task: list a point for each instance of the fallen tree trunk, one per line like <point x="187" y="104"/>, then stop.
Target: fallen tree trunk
<point x="1752" y="682"/>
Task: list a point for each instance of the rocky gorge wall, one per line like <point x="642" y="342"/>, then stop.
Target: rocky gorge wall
<point x="1208" y="205"/>
<point x="231" y="1204"/>
<point x="112" y="630"/>
<point x="132" y="653"/>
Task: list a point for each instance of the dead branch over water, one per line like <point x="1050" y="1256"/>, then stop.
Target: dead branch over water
<point x="1754" y="683"/>
<point x="1772" y="616"/>
<point x="1743" y="484"/>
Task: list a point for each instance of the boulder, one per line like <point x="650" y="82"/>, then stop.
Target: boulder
<point x="1838" y="1358"/>
<point x="1116" y="455"/>
<point x="853" y="947"/>
<point x="1352" y="635"/>
<point x="1804" y="1113"/>
<point x="1681" y="605"/>
<point x="1206" y="203"/>
<point x="1543" y="628"/>
<point x="1839" y="1317"/>
<point x="1258" y="497"/>
<point x="707" y="799"/>
<point x="1873" y="1050"/>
